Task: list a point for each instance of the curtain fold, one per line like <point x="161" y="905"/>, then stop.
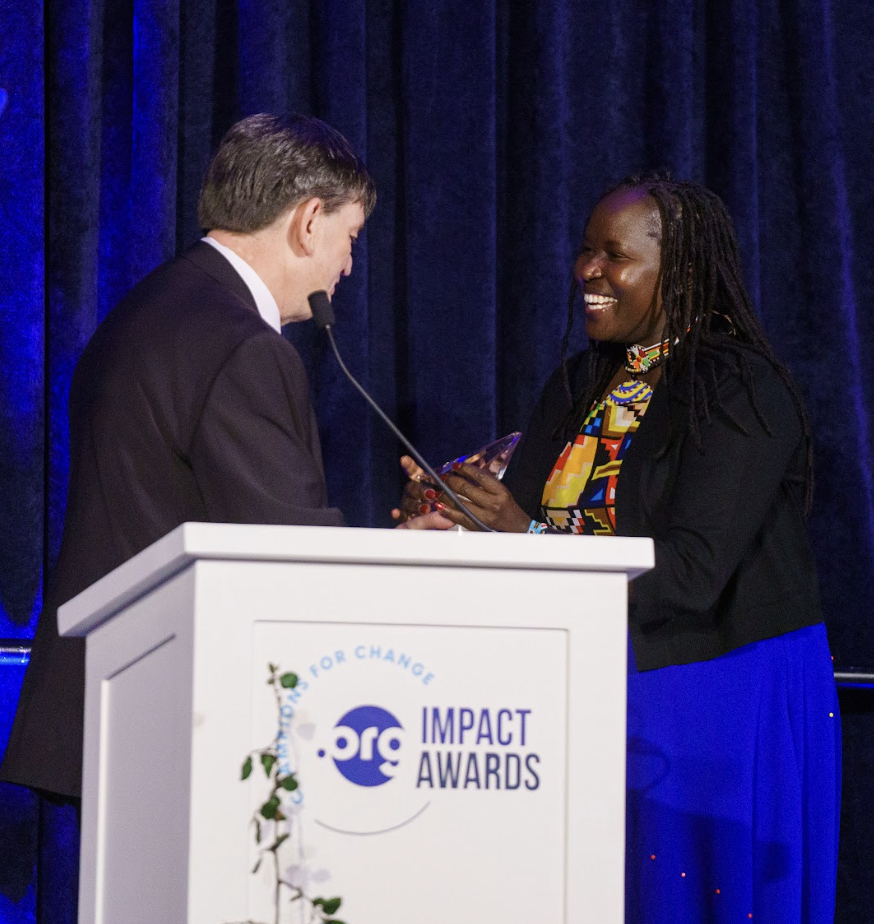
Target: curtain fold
<point x="22" y="336"/>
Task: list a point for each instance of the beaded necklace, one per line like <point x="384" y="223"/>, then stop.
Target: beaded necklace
<point x="639" y="360"/>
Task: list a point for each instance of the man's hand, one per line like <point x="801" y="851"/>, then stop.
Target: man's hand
<point x="417" y="497"/>
<point x="434" y="520"/>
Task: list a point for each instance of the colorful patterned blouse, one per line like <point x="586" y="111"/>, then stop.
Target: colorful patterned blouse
<point x="580" y="494"/>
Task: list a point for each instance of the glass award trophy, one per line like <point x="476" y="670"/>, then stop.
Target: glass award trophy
<point x="493" y="457"/>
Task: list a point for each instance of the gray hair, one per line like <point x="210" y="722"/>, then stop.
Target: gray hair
<point x="266" y="165"/>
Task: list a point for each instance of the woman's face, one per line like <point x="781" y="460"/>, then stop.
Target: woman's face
<point x="618" y="269"/>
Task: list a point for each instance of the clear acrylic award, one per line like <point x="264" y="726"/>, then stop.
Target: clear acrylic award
<point x="494" y="457"/>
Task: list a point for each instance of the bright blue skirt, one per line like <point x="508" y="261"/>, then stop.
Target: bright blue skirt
<point x="733" y="787"/>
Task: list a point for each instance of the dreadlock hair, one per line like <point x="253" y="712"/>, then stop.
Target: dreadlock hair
<point x="704" y="299"/>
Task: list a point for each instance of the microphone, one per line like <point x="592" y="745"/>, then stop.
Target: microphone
<point x="322" y="309"/>
<point x="323" y="315"/>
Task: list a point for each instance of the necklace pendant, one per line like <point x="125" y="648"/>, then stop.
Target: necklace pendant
<point x="639" y="359"/>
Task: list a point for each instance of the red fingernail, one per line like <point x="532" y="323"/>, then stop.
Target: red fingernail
<point x="439" y="506"/>
<point x="431" y="494"/>
<point x="424" y="508"/>
<point x="456" y="466"/>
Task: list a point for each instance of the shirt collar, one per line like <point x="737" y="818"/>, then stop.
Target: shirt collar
<point x="264" y="300"/>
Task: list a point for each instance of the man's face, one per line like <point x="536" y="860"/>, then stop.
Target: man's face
<point x="337" y="233"/>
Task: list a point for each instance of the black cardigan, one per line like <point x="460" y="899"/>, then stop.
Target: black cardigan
<point x="733" y="563"/>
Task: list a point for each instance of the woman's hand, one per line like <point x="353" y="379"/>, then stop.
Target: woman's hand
<point x="486" y="498"/>
<point x="481" y="492"/>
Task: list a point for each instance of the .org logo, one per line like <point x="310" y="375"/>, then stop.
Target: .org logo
<point x="366" y="745"/>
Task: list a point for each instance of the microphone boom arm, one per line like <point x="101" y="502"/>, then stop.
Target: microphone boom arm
<point x="433" y="475"/>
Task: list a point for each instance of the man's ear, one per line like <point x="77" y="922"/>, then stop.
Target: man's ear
<point x="303" y="226"/>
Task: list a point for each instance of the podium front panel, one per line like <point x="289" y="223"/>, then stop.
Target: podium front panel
<point x="431" y="734"/>
<point x="413" y="744"/>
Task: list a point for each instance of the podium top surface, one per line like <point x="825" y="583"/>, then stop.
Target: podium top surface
<point x="193" y="542"/>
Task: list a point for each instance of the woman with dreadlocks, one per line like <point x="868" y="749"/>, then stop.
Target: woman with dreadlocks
<point x="680" y="424"/>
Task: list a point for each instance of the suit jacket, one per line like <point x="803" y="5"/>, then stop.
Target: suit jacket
<point x="733" y="564"/>
<point x="185" y="406"/>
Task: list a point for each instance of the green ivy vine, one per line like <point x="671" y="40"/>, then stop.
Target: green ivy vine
<point x="267" y="820"/>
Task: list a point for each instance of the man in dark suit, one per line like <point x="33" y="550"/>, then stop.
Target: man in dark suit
<point x="188" y="404"/>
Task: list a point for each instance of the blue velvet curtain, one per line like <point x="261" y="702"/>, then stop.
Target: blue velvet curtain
<point x="490" y="128"/>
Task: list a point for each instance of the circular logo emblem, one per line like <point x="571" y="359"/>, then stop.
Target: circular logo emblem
<point x="366" y="745"/>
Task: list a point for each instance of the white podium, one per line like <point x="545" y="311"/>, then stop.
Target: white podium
<point x="458" y="730"/>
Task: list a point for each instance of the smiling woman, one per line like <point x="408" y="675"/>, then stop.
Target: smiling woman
<point x="618" y="269"/>
<point x="680" y="424"/>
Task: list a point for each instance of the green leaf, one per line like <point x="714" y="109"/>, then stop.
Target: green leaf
<point x="247" y="769"/>
<point x="333" y="921"/>
<point x="273" y="668"/>
<point x="279" y="842"/>
<point x="317" y="902"/>
<point x="289" y="681"/>
<point x="270" y="807"/>
<point x="267" y="762"/>
<point x="288" y="783"/>
<point x="330" y="905"/>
